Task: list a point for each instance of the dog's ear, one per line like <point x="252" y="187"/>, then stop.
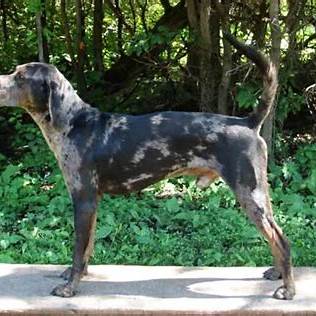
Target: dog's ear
<point x="55" y="106"/>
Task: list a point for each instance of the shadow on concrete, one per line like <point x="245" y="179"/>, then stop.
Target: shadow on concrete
<point x="36" y="282"/>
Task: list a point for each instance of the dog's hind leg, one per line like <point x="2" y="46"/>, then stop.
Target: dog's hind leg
<point x="251" y="189"/>
<point x="259" y="210"/>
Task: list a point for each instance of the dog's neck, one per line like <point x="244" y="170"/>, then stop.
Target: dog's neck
<point x="70" y="106"/>
<point x="71" y="102"/>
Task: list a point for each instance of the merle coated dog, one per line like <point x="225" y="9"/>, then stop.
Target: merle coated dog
<point x="102" y="152"/>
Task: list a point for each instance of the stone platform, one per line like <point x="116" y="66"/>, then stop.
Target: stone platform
<point x="139" y="290"/>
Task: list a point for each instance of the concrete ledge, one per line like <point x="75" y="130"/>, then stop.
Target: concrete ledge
<point x="139" y="290"/>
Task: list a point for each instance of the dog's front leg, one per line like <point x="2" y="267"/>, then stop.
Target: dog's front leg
<point x="85" y="220"/>
<point x="87" y="253"/>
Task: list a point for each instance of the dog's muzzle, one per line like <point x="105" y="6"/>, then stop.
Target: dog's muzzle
<point x="7" y="91"/>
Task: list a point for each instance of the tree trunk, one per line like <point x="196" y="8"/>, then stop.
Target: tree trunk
<point x="42" y="44"/>
<point x="119" y="30"/>
<point x="215" y="68"/>
<point x="223" y="90"/>
<point x="267" y="130"/>
<point x="65" y="25"/>
<point x="3" y="9"/>
<point x="81" y="47"/>
<point x="119" y="14"/>
<point x="205" y="78"/>
<point x="193" y="59"/>
<point x="293" y="18"/>
<point x="51" y="15"/>
<point x="143" y="6"/>
<point x="260" y="24"/>
<point x="204" y="20"/>
<point x="98" y="14"/>
<point x="132" y="7"/>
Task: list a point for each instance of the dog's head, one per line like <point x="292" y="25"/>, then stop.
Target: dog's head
<point x="28" y="87"/>
<point x="36" y="87"/>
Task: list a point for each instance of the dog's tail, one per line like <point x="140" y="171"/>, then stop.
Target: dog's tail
<point x="270" y="81"/>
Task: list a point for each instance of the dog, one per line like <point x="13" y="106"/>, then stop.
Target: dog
<point x="100" y="152"/>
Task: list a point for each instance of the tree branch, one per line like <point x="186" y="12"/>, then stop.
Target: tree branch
<point x="118" y="13"/>
<point x="128" y="68"/>
<point x="166" y="5"/>
<point x="143" y="14"/>
<point x="131" y="4"/>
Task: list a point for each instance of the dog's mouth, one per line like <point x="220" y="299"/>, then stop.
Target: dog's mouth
<point x="2" y="97"/>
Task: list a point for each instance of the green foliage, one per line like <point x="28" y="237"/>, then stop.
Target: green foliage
<point x="34" y="6"/>
<point x="290" y="100"/>
<point x="172" y="222"/>
<point x="145" y="41"/>
<point x="247" y="96"/>
<point x="299" y="174"/>
<point x="138" y="29"/>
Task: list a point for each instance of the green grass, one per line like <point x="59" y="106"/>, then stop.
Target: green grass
<point x="170" y="223"/>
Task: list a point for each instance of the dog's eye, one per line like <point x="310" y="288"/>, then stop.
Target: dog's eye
<point x="19" y="76"/>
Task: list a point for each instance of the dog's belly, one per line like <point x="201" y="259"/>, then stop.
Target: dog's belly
<point x="130" y="185"/>
<point x="136" y="179"/>
<point x="132" y="178"/>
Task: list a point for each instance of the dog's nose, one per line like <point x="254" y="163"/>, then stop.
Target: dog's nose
<point x="3" y="82"/>
<point x="6" y="85"/>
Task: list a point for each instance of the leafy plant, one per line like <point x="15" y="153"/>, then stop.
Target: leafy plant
<point x="247" y="96"/>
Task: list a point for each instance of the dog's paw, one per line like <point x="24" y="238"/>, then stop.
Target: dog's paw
<point x="284" y="293"/>
<point x="272" y="274"/>
<point x="63" y="290"/>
